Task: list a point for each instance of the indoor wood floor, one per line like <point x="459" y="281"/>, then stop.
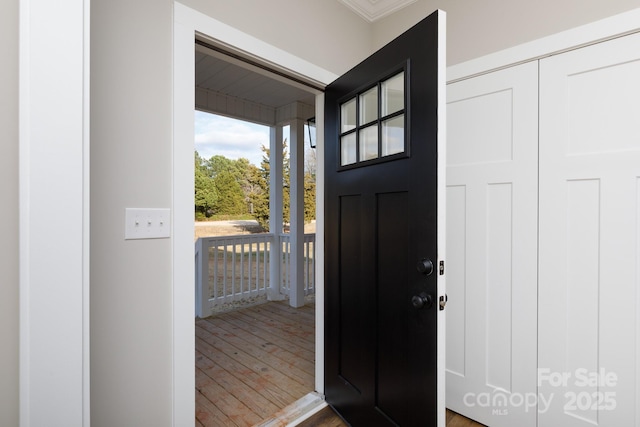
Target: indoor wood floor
<point x="327" y="418"/>
<point x="252" y="362"/>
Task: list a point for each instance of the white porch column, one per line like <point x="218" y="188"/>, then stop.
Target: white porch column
<point x="275" y="213"/>
<point x="296" y="272"/>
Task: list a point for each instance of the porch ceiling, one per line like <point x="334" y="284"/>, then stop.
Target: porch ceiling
<point x="217" y="73"/>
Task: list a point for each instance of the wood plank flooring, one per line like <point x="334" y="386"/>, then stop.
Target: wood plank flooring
<point x="252" y="362"/>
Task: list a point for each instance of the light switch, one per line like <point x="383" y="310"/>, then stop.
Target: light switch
<point x="147" y="223"/>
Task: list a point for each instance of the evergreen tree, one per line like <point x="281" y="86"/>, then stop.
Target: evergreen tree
<point x="261" y="203"/>
<point x="234" y="187"/>
<point x="309" y="197"/>
<point x="206" y="194"/>
<point x="230" y="199"/>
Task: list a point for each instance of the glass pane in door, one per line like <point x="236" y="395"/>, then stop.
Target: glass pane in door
<point x="369" y="106"/>
<point x="393" y="136"/>
<point x="348" y="149"/>
<point x="348" y="116"/>
<point x="368" y="143"/>
<point x="393" y="94"/>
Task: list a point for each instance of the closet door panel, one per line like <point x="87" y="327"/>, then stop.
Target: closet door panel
<point x="492" y="161"/>
<point x="589" y="235"/>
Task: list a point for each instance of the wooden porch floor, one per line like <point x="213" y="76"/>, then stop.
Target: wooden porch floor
<point x="252" y="362"/>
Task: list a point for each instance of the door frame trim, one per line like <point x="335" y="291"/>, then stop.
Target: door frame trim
<point x="187" y="23"/>
<point x="53" y="170"/>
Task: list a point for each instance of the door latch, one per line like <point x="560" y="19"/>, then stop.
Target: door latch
<point x="443" y="301"/>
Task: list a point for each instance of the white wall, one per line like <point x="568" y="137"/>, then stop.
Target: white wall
<point x="131" y="155"/>
<point x="477" y="28"/>
<point x="323" y="32"/>
<point x="9" y="213"/>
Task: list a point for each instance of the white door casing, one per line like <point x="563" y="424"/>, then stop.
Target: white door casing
<point x="187" y="22"/>
<point x="491" y="246"/>
<point x="589" y="234"/>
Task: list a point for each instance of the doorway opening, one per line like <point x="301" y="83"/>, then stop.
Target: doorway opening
<point x="252" y="359"/>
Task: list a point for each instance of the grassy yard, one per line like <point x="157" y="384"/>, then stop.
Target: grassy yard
<point x="235" y="227"/>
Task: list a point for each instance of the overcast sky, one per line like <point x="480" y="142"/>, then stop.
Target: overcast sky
<point x="217" y="135"/>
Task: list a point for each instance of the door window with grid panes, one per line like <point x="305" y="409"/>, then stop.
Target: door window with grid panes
<point x="372" y="123"/>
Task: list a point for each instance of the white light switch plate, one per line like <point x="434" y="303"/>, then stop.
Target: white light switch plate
<point x="147" y="223"/>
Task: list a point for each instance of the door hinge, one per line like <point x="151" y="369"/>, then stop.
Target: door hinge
<point x="441" y="268"/>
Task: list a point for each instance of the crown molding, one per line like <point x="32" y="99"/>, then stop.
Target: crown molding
<point x="372" y="10"/>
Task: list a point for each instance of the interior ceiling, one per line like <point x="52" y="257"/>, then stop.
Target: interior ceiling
<point x="219" y="73"/>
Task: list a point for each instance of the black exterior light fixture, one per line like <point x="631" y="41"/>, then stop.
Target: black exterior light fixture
<point x="311" y="123"/>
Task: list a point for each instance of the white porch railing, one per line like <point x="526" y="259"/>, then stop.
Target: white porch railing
<point x="309" y="264"/>
<point x="237" y="268"/>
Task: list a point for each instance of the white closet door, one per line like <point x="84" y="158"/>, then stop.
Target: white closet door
<point x="589" y="238"/>
<point x="492" y="176"/>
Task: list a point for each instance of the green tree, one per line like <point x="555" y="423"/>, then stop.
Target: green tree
<point x="217" y="164"/>
<point x="220" y="169"/>
<point x="230" y="200"/>
<point x="309" y="197"/>
<point x="250" y="183"/>
<point x="261" y="203"/>
<point x="206" y="194"/>
<point x="310" y="166"/>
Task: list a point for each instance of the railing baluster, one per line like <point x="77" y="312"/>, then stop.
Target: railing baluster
<point x="258" y="266"/>
<point x="312" y="244"/>
<point x="234" y="291"/>
<point x="216" y="283"/>
<point x="242" y="267"/>
<point x="225" y="270"/>
<point x="249" y="287"/>
<point x="265" y="263"/>
<point x="217" y="273"/>
<point x="306" y="266"/>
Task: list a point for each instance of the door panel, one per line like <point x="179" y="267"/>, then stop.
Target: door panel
<point x="589" y="234"/>
<point x="492" y="246"/>
<point x="352" y="370"/>
<point x="391" y="259"/>
<point x="383" y="141"/>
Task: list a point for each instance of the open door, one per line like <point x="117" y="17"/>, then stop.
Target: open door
<point x="384" y="218"/>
